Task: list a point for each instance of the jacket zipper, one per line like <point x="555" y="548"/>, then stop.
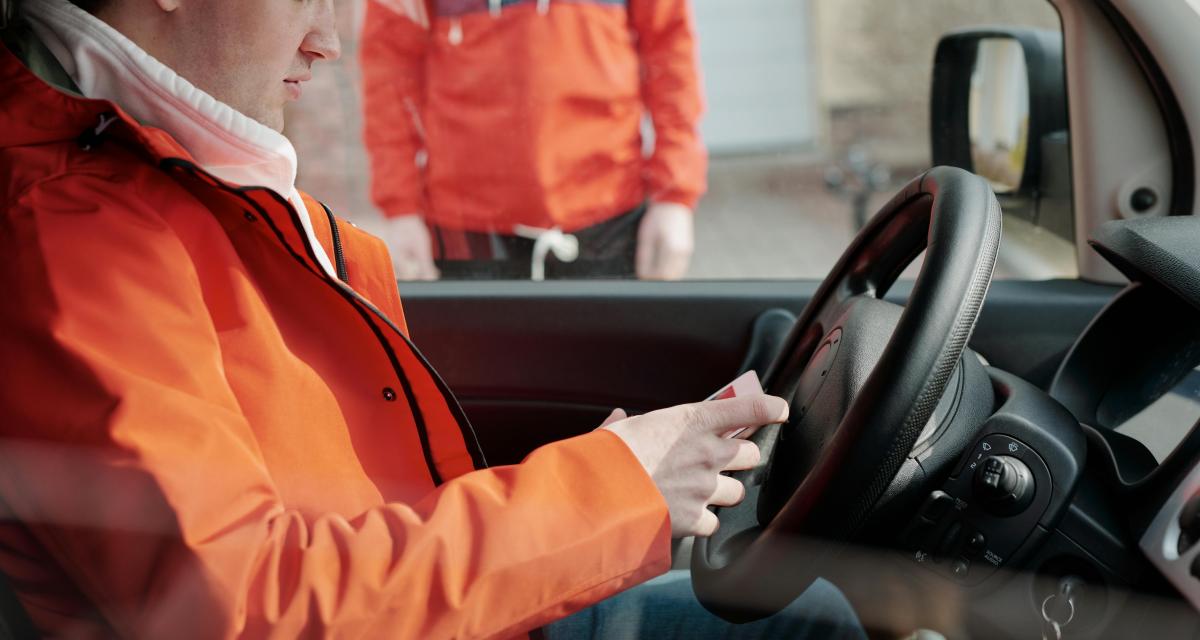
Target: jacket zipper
<point x="339" y="257"/>
<point x="362" y="305"/>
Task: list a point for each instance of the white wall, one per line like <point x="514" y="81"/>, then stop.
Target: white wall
<point x="756" y="60"/>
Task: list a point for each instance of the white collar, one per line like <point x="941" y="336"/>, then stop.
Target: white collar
<point x="106" y="65"/>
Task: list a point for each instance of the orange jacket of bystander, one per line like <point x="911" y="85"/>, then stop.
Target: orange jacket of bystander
<point x="485" y="114"/>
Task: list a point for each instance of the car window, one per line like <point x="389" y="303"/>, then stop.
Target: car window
<point x="814" y="113"/>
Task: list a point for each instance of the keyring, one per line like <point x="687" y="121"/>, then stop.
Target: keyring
<point x="1046" y="616"/>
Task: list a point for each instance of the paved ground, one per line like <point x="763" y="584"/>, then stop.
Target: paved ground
<point x="770" y="217"/>
<point x="773" y="217"/>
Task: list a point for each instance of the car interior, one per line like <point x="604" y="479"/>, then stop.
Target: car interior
<point x="1051" y="488"/>
<point x="967" y="455"/>
<point x="1018" y="484"/>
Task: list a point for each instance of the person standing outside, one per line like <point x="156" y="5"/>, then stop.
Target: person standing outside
<point x="500" y="131"/>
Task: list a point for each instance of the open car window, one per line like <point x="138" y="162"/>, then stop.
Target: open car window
<point x="815" y="113"/>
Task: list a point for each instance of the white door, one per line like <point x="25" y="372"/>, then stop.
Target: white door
<point x="755" y="56"/>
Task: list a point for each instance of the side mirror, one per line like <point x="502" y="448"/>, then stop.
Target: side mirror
<point x="999" y="108"/>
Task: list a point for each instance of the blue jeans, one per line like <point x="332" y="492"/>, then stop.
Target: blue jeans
<point x="665" y="608"/>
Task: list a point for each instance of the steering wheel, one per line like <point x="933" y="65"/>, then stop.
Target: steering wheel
<point x="863" y="377"/>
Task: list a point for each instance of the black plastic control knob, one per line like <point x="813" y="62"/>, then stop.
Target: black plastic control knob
<point x="1004" y="485"/>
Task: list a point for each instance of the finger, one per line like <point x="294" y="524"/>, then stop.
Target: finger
<point x="723" y="416"/>
<point x="675" y="265"/>
<point x="403" y="267"/>
<point x="746" y="456"/>
<point x="728" y="492"/>
<point x="412" y="269"/>
<point x="428" y="271"/>
<point x="423" y="257"/>
<point x="644" y="257"/>
<point x="707" y="524"/>
<point x="616" y="416"/>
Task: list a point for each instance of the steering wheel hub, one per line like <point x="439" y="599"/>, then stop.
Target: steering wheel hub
<point x="816" y="374"/>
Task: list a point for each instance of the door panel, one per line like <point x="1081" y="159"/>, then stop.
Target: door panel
<point x="534" y="362"/>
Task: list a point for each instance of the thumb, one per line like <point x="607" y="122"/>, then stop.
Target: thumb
<point x="616" y="416"/>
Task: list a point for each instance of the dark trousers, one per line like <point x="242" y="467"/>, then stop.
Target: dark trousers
<point x="666" y="608"/>
<point x="606" y="251"/>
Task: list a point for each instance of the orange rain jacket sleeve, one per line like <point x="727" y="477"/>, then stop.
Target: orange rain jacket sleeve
<point x="393" y="68"/>
<point x="670" y="88"/>
<point x="132" y="469"/>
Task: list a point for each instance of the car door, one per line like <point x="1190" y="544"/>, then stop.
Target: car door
<point x="534" y="362"/>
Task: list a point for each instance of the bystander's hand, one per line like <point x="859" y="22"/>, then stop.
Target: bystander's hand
<point x="665" y="242"/>
<point x="408" y="241"/>
<point x="684" y="450"/>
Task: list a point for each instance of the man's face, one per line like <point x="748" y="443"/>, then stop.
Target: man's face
<point x="251" y="54"/>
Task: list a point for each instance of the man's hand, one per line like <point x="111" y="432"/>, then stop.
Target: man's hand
<point x="665" y="242"/>
<point x="684" y="451"/>
<point x="407" y="239"/>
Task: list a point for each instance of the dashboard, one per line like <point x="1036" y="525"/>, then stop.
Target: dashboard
<point x="1133" y="378"/>
<point x="1090" y="487"/>
<point x="1135" y="369"/>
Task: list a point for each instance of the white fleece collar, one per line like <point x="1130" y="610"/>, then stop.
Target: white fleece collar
<point x="106" y="65"/>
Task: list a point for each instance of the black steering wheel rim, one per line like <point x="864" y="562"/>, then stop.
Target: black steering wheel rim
<point x="954" y="217"/>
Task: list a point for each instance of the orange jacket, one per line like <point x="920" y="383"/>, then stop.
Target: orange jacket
<point x="202" y="435"/>
<point x="527" y="117"/>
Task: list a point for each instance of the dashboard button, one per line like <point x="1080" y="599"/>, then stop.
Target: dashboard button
<point x="1004" y="484"/>
<point x="937" y="505"/>
<point x="950" y="540"/>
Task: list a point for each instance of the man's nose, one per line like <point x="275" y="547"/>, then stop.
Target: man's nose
<point x="323" y="41"/>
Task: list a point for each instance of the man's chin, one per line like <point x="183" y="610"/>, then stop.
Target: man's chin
<point x="273" y="119"/>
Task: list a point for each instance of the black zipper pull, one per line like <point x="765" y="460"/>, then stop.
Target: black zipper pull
<point x="339" y="256"/>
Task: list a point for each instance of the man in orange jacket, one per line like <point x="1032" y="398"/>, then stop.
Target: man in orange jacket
<point x="502" y="124"/>
<point x="213" y="423"/>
